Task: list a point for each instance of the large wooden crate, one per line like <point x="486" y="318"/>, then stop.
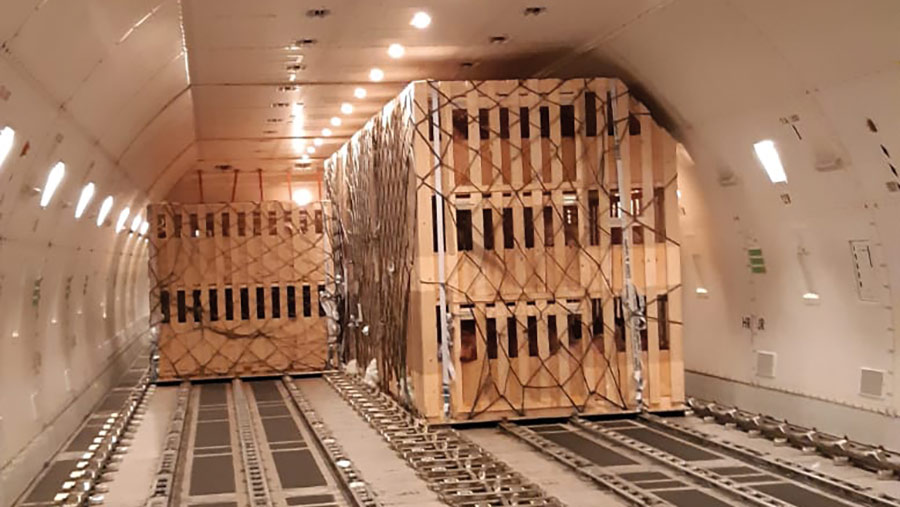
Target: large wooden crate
<point x="235" y="288"/>
<point x="523" y="176"/>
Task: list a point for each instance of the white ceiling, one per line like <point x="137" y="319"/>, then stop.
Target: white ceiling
<point x="168" y="86"/>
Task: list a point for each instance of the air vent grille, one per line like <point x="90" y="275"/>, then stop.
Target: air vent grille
<point x="765" y="364"/>
<point x="871" y="382"/>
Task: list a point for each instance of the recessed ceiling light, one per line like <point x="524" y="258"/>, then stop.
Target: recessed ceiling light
<point x="302" y="197"/>
<point x="87" y="193"/>
<point x="326" y="132"/>
<point x="396" y="50"/>
<point x="335" y="121"/>
<point x="8" y="136"/>
<point x="768" y="156"/>
<point x="420" y="20"/>
<point x="317" y="141"/>
<point x="359" y="93"/>
<point x="376" y="74"/>
<point x="347" y="108"/>
<point x="123" y="216"/>
<point x="310" y="150"/>
<point x="104" y="210"/>
<point x="53" y="181"/>
<point x="136" y="223"/>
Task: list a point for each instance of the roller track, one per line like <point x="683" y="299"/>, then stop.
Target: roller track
<point x="460" y="472"/>
<point x="685" y="468"/>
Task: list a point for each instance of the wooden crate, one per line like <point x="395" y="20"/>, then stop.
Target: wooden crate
<point x="235" y="288"/>
<point x="527" y="173"/>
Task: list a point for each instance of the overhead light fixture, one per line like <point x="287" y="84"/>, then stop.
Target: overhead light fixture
<point x="304" y="158"/>
<point x="335" y="121"/>
<point x="123" y="216"/>
<point x="7" y="138"/>
<point x="317" y="141"/>
<point x="104" y="210"/>
<point x="53" y="180"/>
<point x="396" y="51"/>
<point x="420" y="20"/>
<point x="701" y="291"/>
<point x="326" y="132"/>
<point x="768" y="156"/>
<point x="310" y="150"/>
<point x="359" y="93"/>
<point x="376" y="74"/>
<point x="811" y="296"/>
<point x="87" y="193"/>
<point x="347" y="108"/>
<point x="292" y="77"/>
<point x="136" y="223"/>
<point x="302" y="197"/>
<point x="145" y="226"/>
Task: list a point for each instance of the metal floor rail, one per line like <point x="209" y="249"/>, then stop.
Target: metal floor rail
<point x="882" y="461"/>
<point x="161" y="494"/>
<point x="812" y="477"/>
<point x="460" y="472"/>
<point x="360" y="492"/>
<point x="742" y="493"/>
<point x="610" y="482"/>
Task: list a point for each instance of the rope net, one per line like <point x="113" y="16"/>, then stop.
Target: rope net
<point x="503" y="199"/>
<point x="235" y="288"/>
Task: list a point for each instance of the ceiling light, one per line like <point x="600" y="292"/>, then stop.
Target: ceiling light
<point x="326" y="132"/>
<point x="123" y="216"/>
<point x="53" y="181"/>
<point x="310" y="150"/>
<point x="144" y="227"/>
<point x="302" y="197"/>
<point x="304" y="158"/>
<point x="359" y="93"/>
<point x="317" y="141"/>
<point x="292" y="77"/>
<point x="420" y="20"/>
<point x="104" y="210"/>
<point x="811" y="296"/>
<point x="87" y="193"/>
<point x="8" y="136"/>
<point x="335" y="121"/>
<point x="702" y="291"/>
<point x="396" y="50"/>
<point x="136" y="223"/>
<point x="768" y="156"/>
<point x="376" y="74"/>
<point x="347" y="108"/>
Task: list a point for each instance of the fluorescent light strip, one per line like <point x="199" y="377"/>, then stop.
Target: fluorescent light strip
<point x="87" y="193"/>
<point x="7" y="138"/>
<point x="53" y="180"/>
<point x="123" y="216"/>
<point x="104" y="210"/>
<point x="136" y="223"/>
<point x="768" y="156"/>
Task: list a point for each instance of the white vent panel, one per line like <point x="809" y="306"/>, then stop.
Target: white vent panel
<point x="871" y="382"/>
<point x="765" y="364"/>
